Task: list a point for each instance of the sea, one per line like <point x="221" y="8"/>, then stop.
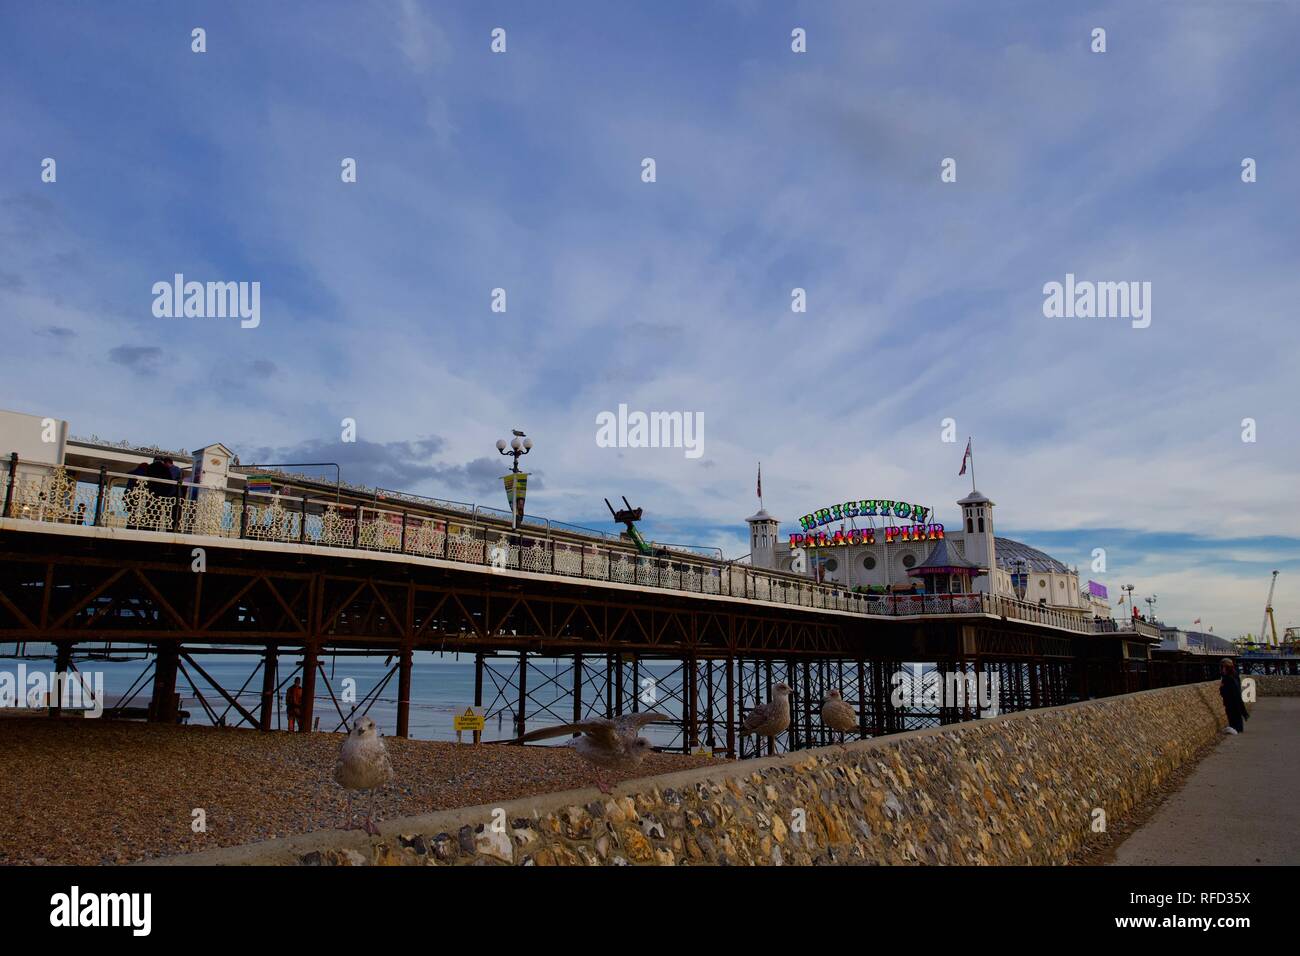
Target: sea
<point x="442" y="686"/>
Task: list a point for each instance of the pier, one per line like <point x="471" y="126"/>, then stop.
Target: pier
<point x="90" y="561"/>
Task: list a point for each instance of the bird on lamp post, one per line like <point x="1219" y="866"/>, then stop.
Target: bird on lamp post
<point x="520" y="445"/>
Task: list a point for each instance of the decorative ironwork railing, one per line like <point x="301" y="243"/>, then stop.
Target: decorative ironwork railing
<point x="76" y="496"/>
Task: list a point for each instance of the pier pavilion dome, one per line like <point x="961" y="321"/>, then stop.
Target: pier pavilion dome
<point x="1009" y="552"/>
<point x="1035" y="576"/>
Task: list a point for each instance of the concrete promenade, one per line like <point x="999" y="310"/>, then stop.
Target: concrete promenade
<point x="1238" y="807"/>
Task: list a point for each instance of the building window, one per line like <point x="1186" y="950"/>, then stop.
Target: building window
<point x="970" y="526"/>
<point x="832" y="565"/>
<point x="869" y="563"/>
<point x="981" y="524"/>
<point x="909" y="560"/>
<point x="1042" y="583"/>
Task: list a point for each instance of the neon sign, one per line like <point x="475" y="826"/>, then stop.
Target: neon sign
<point x="918" y="530"/>
<point x="860" y="536"/>
<point x="867" y="508"/>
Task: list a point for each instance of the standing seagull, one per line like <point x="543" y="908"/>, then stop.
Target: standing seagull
<point x="768" y="720"/>
<point x="838" y="715"/>
<point x="363" y="765"/>
<point x="609" y="743"/>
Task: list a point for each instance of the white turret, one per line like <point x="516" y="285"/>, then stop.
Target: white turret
<point x="763" y="530"/>
<point x="977" y="522"/>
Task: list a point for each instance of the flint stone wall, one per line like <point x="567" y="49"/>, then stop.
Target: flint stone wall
<point x="1017" y="789"/>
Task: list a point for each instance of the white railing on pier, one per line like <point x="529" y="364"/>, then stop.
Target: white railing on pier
<point x="76" y="496"/>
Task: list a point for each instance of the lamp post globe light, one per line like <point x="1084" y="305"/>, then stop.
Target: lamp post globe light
<point x="518" y="446"/>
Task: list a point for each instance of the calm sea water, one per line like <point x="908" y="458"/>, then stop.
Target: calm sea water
<point x="441" y="686"/>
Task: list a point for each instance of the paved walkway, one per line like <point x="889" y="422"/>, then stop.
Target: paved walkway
<point x="1239" y="806"/>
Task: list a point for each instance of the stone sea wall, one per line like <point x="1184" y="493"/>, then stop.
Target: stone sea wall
<point x="1024" y="788"/>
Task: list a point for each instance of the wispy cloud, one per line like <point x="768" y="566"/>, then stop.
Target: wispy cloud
<point x="776" y="170"/>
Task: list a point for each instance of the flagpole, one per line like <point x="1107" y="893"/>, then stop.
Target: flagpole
<point x="970" y="441"/>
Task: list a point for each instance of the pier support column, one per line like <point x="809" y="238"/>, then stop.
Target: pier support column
<point x="802" y="671"/>
<point x="268" y="688"/>
<point x="404" y="663"/>
<point x="709" y="734"/>
<point x="862" y="698"/>
<point x="763" y="697"/>
<point x="162" y="708"/>
<point x="609" y="686"/>
<point x="690" y="677"/>
<point x="577" y="687"/>
<point x="522" y="712"/>
<point x="478" y="679"/>
<point x="731" y="709"/>
<point x="309" y="668"/>
<point x="62" y="663"/>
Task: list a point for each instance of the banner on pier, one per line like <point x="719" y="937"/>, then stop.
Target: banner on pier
<point x="516" y="490"/>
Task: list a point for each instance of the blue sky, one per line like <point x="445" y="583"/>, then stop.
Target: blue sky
<point x="775" y="171"/>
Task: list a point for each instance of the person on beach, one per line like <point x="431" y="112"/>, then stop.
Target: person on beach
<point x="1230" y="691"/>
<point x="293" y="703"/>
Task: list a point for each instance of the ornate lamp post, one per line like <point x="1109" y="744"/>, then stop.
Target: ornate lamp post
<point x="520" y="445"/>
<point x="1021" y="580"/>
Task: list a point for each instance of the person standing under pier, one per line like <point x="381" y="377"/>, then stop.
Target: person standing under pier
<point x="293" y="704"/>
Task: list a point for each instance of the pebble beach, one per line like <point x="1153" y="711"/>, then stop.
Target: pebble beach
<point x="86" y="792"/>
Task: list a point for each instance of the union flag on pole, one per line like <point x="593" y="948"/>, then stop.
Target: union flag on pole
<point x="760" y="481"/>
<point x="965" y="458"/>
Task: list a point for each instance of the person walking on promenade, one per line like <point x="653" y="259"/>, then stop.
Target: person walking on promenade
<point x="1230" y="691"/>
<point x="293" y="703"/>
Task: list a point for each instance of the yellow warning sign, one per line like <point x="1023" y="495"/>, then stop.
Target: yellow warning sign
<point x="469" y="720"/>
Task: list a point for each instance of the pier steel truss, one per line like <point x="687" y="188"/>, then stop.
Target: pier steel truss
<point x="545" y="649"/>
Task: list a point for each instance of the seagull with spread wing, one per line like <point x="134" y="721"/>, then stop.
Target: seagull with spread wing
<point x="610" y="743"/>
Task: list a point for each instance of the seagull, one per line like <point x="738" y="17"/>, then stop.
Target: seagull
<point x="838" y="715"/>
<point x="610" y="743"/>
<point x="363" y="765"/>
<point x="768" y="720"/>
